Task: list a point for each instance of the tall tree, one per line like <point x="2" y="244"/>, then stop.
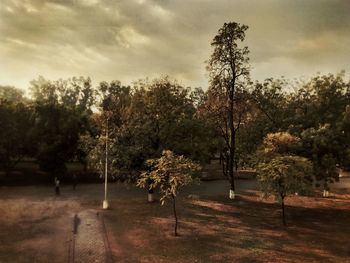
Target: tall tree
<point x="229" y="74"/>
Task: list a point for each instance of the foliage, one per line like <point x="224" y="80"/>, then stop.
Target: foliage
<point x="94" y="146"/>
<point x="142" y="122"/>
<point x="344" y="134"/>
<point x="320" y="101"/>
<point x="162" y="116"/>
<point x="11" y="94"/>
<point x="314" y="111"/>
<point x="72" y="93"/>
<point x="232" y="118"/>
<point x="114" y="103"/>
<point x="321" y="146"/>
<point x="16" y="124"/>
<point x="280" y="143"/>
<point x="270" y="101"/>
<point x="170" y="172"/>
<point x="320" y="110"/>
<point x="285" y="175"/>
<point x="61" y="111"/>
<point x="268" y="112"/>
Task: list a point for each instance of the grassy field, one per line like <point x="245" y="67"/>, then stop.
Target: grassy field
<point x="35" y="226"/>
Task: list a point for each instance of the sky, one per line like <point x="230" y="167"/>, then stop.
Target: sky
<point x="128" y="40"/>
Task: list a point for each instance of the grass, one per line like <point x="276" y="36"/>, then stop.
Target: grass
<point x="245" y="230"/>
<point x="35" y="226"/>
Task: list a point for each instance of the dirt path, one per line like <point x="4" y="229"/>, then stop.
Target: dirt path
<point x="89" y="242"/>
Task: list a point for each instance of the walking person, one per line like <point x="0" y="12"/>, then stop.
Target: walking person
<point x="57" y="186"/>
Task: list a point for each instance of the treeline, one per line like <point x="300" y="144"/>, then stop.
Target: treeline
<point x="68" y="120"/>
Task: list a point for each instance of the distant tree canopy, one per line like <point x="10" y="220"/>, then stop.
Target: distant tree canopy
<point x="11" y="94"/>
<point x="65" y="120"/>
<point x="16" y="123"/>
<point x="61" y="114"/>
<point x="143" y="121"/>
<point x="162" y="115"/>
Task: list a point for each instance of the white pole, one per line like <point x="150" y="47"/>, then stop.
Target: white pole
<point x="105" y="202"/>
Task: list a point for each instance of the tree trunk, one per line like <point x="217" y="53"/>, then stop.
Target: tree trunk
<point x="174" y="209"/>
<point x="283" y="214"/>
<point x="150" y="195"/>
<point x="232" y="147"/>
<point x="325" y="189"/>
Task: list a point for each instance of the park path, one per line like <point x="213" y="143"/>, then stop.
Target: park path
<point x="89" y="242"/>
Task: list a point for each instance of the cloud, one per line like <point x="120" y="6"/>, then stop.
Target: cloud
<point x="131" y="39"/>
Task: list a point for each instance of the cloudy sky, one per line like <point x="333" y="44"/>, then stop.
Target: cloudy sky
<point x="132" y="39"/>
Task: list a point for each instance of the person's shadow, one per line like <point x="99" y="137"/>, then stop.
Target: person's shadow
<point x="76" y="224"/>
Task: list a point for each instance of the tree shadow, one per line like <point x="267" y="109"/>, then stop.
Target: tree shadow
<point x="311" y="233"/>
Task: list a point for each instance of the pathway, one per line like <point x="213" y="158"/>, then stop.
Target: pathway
<point x="89" y="242"/>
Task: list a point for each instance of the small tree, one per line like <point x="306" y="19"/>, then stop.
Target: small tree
<point x="169" y="173"/>
<point x="285" y="175"/>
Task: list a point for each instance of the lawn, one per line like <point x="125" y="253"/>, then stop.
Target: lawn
<point x="35" y="226"/>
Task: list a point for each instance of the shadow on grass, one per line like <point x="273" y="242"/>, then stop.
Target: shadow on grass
<point x="258" y="227"/>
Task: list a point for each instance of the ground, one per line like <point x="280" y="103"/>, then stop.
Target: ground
<point x="36" y="226"/>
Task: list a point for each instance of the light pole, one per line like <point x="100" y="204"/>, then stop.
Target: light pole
<point x="105" y="201"/>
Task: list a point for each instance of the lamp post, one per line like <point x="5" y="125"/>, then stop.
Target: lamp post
<point x="105" y="201"/>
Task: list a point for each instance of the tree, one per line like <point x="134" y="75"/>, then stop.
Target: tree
<point x="11" y="94"/>
<point x="143" y="121"/>
<point x="94" y="146"/>
<point x="319" y="110"/>
<point x="62" y="110"/>
<point x="271" y="100"/>
<point x="323" y="147"/>
<point x="162" y="115"/>
<point x="320" y="101"/>
<point x="169" y="173"/>
<point x="112" y="101"/>
<point x="229" y="73"/>
<point x="269" y="112"/>
<point x="344" y="128"/>
<point x="16" y="123"/>
<point x="283" y="176"/>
